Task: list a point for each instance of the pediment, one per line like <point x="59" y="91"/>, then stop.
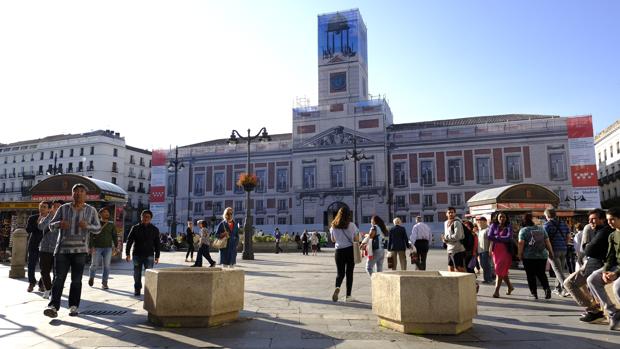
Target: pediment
<point x="336" y="136"/>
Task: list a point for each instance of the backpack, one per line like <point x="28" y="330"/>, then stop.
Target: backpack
<point x="537" y="240"/>
<point x="375" y="241"/>
<point x="468" y="240"/>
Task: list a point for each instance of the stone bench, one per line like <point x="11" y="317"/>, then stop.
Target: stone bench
<point x="424" y="302"/>
<point x="193" y="297"/>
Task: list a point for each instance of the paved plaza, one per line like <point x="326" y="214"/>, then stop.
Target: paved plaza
<point x="287" y="305"/>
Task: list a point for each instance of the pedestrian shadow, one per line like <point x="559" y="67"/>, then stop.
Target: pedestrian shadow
<point x="357" y="305"/>
<point x="265" y="274"/>
<point x="534" y="306"/>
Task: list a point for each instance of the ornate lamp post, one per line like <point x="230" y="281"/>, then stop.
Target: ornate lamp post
<point x="235" y="137"/>
<point x="355" y="156"/>
<point x="574" y="199"/>
<point x="175" y="166"/>
<point x="55" y="169"/>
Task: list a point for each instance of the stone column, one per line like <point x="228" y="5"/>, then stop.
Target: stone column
<point x="18" y="254"/>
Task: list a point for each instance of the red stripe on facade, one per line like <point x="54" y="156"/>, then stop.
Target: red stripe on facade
<point x="271" y="175"/>
<point x="441" y="166"/>
<point x="469" y="165"/>
<point x="229" y="177"/>
<point x="413" y="168"/>
<point x="454" y="153"/>
<point x="442" y="198"/>
<point x="526" y="162"/>
<point x="482" y="151"/>
<point x="399" y="156"/>
<point x="498" y="163"/>
<point x="427" y="155"/>
<point x="209" y="178"/>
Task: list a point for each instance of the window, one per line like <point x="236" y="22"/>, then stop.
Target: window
<point x="366" y="175"/>
<point x="282" y="179"/>
<point x="455" y="171"/>
<point x="132" y="160"/>
<point x="142" y="162"/>
<point x="282" y="204"/>
<point x="337" y="82"/>
<point x="81" y="151"/>
<point x="92" y="150"/>
<point x="114" y="167"/>
<point x="456" y="199"/>
<point x="260" y="205"/>
<point x="70" y="167"/>
<point x="198" y="207"/>
<point x="308" y="220"/>
<point x="557" y="167"/>
<point x="429" y="218"/>
<point x="366" y="219"/>
<point x="40" y="170"/>
<point x="218" y="180"/>
<point x="199" y="184"/>
<point x="80" y="166"/>
<point x="217" y="208"/>
<point x="337" y="176"/>
<point x="59" y="169"/>
<point x="611" y="151"/>
<point x="260" y="221"/>
<point x="483" y="171"/>
<point x="113" y="180"/>
<point x="282" y="220"/>
<point x="427" y="200"/>
<point x="403" y="218"/>
<point x="309" y="173"/>
<point x="71" y="152"/>
<point x="238" y="189"/>
<point x="238" y="205"/>
<point x="40" y="157"/>
<point x="91" y="166"/>
<point x="170" y="186"/>
<point x="261" y="176"/>
<point x="62" y="153"/>
<point x="427" y="176"/>
<point x="400" y="202"/>
<point x="513" y="168"/>
<point x="618" y="147"/>
<point x="51" y="155"/>
<point x="114" y="153"/>
<point x="400" y="174"/>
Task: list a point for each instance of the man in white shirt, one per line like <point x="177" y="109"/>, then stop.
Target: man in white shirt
<point x="420" y="238"/>
<point x="483" y="250"/>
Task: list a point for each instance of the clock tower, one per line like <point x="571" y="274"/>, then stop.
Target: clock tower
<point x="342" y="58"/>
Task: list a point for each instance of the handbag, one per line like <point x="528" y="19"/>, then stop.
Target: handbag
<point x="357" y="254"/>
<point x="414" y="257"/>
<point x="390" y="260"/>
<point x="220" y="243"/>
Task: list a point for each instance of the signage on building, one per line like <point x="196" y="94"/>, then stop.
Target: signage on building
<point x="157" y="197"/>
<point x="582" y="162"/>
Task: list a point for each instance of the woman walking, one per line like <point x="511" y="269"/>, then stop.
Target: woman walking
<point x="203" y="250"/>
<point x="343" y="232"/>
<point x="500" y="235"/>
<point x="314" y="241"/>
<point x="374" y="245"/>
<point x="534" y="249"/>
<point x="305" y="242"/>
<point x="228" y="229"/>
<point x="189" y="238"/>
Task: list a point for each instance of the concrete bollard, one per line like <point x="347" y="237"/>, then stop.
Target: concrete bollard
<point x="18" y="254"/>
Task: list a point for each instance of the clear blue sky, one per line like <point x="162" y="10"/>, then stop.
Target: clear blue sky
<point x="197" y="69"/>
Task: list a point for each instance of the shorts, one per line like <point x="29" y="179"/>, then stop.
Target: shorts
<point x="457" y="259"/>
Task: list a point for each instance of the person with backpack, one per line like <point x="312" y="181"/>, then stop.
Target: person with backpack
<point x="534" y="249"/>
<point x="558" y="235"/>
<point x="470" y="242"/>
<point x="374" y="245"/>
<point x="453" y="239"/>
<point x="500" y="235"/>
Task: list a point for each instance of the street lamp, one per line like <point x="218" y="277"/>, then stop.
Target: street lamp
<point x="54" y="171"/>
<point x="355" y="156"/>
<point x="574" y="199"/>
<point x="235" y="137"/>
<point x="175" y="166"/>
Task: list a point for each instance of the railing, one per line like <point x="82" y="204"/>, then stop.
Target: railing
<point x="131" y="188"/>
<point x="131" y="175"/>
<point x="141" y="190"/>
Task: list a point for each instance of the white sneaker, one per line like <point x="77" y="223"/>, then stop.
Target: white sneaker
<point x="73" y="311"/>
<point x="350" y="299"/>
<point x="47" y="294"/>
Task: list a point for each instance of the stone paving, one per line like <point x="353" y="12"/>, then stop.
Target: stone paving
<point x="287" y="305"/>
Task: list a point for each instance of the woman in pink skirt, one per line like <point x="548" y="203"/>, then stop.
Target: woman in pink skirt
<point x="500" y="235"/>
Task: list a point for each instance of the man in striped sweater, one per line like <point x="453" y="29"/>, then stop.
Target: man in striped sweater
<point x="74" y="221"/>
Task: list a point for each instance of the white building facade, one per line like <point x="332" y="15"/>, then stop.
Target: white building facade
<point x="402" y="170"/>
<point x="607" y="148"/>
<point x="100" y="154"/>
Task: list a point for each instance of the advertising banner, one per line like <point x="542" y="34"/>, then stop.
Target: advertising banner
<point x="157" y="198"/>
<point x="583" y="162"/>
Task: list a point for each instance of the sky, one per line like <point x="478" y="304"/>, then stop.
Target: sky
<point x="166" y="73"/>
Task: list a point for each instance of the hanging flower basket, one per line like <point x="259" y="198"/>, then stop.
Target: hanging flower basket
<point x="248" y="181"/>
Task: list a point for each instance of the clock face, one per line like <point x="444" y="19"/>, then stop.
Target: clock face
<point x="337" y="82"/>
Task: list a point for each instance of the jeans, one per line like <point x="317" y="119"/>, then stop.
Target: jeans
<point x="203" y="251"/>
<point x="305" y="248"/>
<point x="535" y="269"/>
<point x="46" y="261"/>
<point x="33" y="260"/>
<point x="558" y="264"/>
<point x="487" y="269"/>
<point x="421" y="247"/>
<point x="138" y="263"/>
<point x="64" y="262"/>
<point x="576" y="284"/>
<point x="377" y="259"/>
<point x="597" y="287"/>
<point x="345" y="265"/>
<point x="105" y="255"/>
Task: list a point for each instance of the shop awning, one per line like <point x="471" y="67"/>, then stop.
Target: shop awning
<point x="59" y="188"/>
<point x="516" y="197"/>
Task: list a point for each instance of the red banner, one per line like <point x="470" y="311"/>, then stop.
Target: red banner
<point x="157" y="194"/>
<point x="158" y="158"/>
<point x="580" y="127"/>
<point x="584" y="176"/>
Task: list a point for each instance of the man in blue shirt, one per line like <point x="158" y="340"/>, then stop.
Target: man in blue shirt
<point x="558" y="232"/>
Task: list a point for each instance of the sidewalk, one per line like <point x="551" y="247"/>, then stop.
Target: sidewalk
<point x="287" y="305"/>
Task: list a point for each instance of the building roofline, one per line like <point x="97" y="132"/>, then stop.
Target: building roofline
<point x="475" y="120"/>
<point x="139" y="150"/>
<point x="607" y="131"/>
<point x="61" y="137"/>
<point x="224" y="141"/>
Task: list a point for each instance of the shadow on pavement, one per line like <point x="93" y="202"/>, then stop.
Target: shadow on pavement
<point x="358" y="305"/>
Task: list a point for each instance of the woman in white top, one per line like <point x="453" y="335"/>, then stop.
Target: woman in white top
<point x="314" y="242"/>
<point x="374" y="245"/>
<point x="343" y="233"/>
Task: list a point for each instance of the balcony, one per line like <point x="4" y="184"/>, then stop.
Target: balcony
<point x="141" y="190"/>
<point x="378" y="188"/>
<point x="90" y="168"/>
<point x="130" y="175"/>
<point x="80" y="169"/>
<point x="115" y="169"/>
<point x="11" y="175"/>
<point x="141" y="177"/>
<point x="3" y="176"/>
<point x="282" y="209"/>
<point x="131" y="188"/>
<point x="260" y="210"/>
<point x="28" y="175"/>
